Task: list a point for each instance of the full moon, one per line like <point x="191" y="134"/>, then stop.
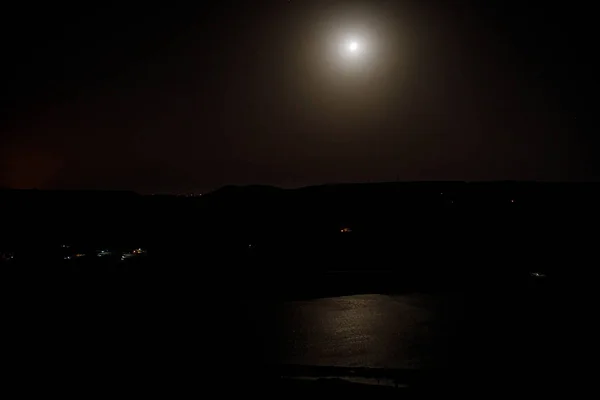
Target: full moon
<point x="353" y="46"/>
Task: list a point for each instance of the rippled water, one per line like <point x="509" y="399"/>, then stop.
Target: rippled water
<point x="236" y="333"/>
<point x="361" y="330"/>
<point x="408" y="331"/>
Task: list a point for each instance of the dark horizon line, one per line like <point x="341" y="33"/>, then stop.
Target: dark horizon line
<point x="188" y="192"/>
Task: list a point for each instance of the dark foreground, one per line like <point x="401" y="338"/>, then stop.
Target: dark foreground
<point x="431" y="286"/>
<point x="173" y="335"/>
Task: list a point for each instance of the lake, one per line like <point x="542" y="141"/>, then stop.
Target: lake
<point x="515" y="331"/>
<point x="413" y="330"/>
<point x="362" y="330"/>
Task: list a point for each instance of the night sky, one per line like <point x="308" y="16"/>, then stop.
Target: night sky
<point x="197" y="96"/>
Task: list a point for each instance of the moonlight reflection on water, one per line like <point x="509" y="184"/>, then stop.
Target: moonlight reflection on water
<point x="363" y="330"/>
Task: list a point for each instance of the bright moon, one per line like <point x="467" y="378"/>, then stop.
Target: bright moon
<point x="353" y="46"/>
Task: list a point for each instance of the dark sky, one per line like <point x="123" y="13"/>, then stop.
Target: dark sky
<point x="194" y="97"/>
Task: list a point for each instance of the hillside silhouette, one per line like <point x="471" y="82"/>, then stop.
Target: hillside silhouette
<point x="426" y="229"/>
